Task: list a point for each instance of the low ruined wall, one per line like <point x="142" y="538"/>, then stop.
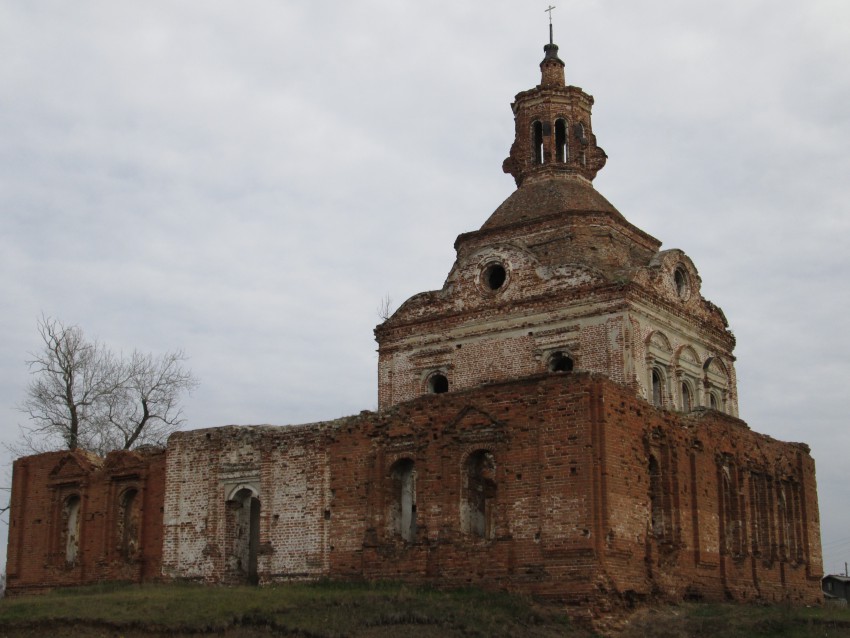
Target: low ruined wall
<point x="699" y="506"/>
<point x="595" y="493"/>
<point x="214" y="476"/>
<point x="76" y="519"/>
<point x="560" y="485"/>
<point x="537" y="533"/>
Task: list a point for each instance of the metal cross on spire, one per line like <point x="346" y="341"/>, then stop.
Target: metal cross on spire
<point x="549" y="11"/>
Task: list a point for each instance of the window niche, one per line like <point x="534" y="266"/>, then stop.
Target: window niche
<point x="658" y="517"/>
<point x="70" y="536"/>
<point x="438" y="383"/>
<point x="713" y="402"/>
<point x="580" y="133"/>
<point x="664" y="518"/>
<point x="761" y="507"/>
<point x="562" y="151"/>
<point x="402" y="510"/>
<point x="716" y="382"/>
<point x="682" y="283"/>
<point x="537" y="141"/>
<point x="687" y="397"/>
<point x="478" y="508"/>
<point x="659" y="369"/>
<point x="790" y="521"/>
<point x="561" y="362"/>
<point x="129" y="524"/>
<point x="732" y="531"/>
<point x="657" y="388"/>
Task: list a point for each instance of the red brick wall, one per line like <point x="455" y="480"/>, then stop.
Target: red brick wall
<point x="573" y="515"/>
<point x="41" y="487"/>
<point x="576" y="508"/>
<point x="706" y="550"/>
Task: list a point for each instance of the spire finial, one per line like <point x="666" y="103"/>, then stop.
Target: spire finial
<point x="549" y="11"/>
<point x="551" y="49"/>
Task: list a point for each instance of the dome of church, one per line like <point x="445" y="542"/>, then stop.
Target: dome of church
<point x="545" y="198"/>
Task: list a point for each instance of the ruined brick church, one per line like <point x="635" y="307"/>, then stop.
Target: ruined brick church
<point x="559" y="419"/>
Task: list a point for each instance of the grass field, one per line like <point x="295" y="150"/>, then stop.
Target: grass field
<point x="330" y="609"/>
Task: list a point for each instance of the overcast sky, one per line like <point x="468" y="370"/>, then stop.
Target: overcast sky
<point x="246" y="181"/>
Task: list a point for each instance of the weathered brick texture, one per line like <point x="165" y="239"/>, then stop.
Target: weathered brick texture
<point x="110" y="508"/>
<point x="573" y="505"/>
<point x="593" y="492"/>
<point x="286" y="469"/>
<point x="559" y="419"/>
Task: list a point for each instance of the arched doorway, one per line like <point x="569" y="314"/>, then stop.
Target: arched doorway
<point x="244" y="535"/>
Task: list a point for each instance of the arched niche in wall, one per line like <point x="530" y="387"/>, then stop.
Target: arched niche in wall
<point x="791" y="545"/>
<point x="659" y="357"/>
<point x="401" y="516"/>
<point x="761" y="510"/>
<point x="70" y="529"/>
<point x="478" y="495"/>
<point x="716" y="384"/>
<point x="562" y="147"/>
<point x="128" y="524"/>
<point x="537" y="150"/>
<point x="732" y="530"/>
<point x="686" y="363"/>
<point x="661" y="467"/>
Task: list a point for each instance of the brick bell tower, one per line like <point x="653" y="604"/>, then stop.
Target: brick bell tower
<point x="557" y="279"/>
<point x="554" y="134"/>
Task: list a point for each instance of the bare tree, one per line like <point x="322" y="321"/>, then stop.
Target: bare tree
<point x="385" y="307"/>
<point x="71" y="378"/>
<point x="82" y="395"/>
<point x="146" y="409"/>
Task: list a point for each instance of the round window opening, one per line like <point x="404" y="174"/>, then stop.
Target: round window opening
<point x="494" y="276"/>
<point x="680" y="278"/>
<point x="438" y="384"/>
<point x="560" y="362"/>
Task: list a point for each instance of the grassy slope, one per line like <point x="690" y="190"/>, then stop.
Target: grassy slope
<point x="370" y="611"/>
<point x="322" y="609"/>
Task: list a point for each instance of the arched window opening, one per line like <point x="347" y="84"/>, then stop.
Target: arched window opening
<point x="560" y="362"/>
<point x="791" y="545"/>
<point x="680" y="278"/>
<point x="71" y="529"/>
<point x="733" y="527"/>
<point x="537" y="141"/>
<point x="712" y="401"/>
<point x="687" y="403"/>
<point x="438" y="384"/>
<point x="479" y="507"/>
<point x="716" y="381"/>
<point x="403" y="501"/>
<point x="562" y="152"/>
<point x="659" y="359"/>
<point x="657" y="383"/>
<point x="580" y="134"/>
<point x="664" y="522"/>
<point x="762" y="508"/>
<point x="784" y="522"/>
<point x="797" y="519"/>
<point x="244" y="535"/>
<point x="129" y="514"/>
<point x="656" y="498"/>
